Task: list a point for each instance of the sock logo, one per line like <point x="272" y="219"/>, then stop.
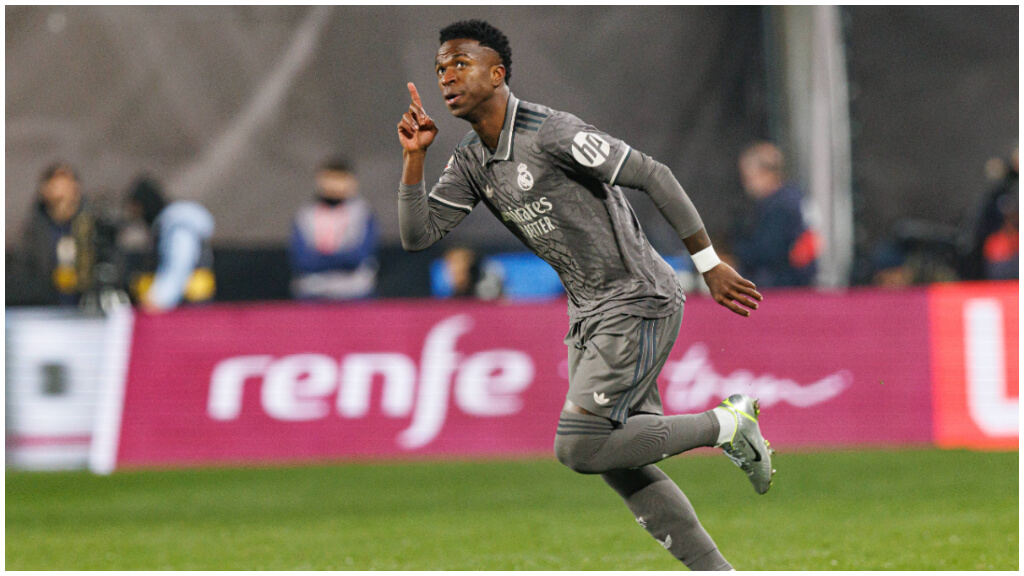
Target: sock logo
<point x="667" y="543"/>
<point x="642" y="522"/>
<point x="600" y="399"/>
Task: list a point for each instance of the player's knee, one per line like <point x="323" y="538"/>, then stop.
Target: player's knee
<point x="576" y="453"/>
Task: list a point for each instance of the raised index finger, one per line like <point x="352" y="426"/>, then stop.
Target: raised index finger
<point x="415" y="95"/>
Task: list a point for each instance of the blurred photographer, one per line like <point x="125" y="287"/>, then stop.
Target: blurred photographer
<point x="179" y="267"/>
<point x="776" y="248"/>
<point x="997" y="214"/>
<point x="58" y="256"/>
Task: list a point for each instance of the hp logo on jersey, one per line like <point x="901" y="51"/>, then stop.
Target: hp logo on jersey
<point x="525" y="179"/>
<point x="590" y="149"/>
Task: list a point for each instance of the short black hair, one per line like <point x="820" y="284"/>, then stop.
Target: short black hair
<point x="148" y="194"/>
<point x="336" y="164"/>
<point x="486" y="35"/>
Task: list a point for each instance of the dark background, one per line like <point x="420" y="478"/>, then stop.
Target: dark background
<point x="235" y="107"/>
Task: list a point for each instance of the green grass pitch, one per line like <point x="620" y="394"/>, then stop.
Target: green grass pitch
<point x="857" y="510"/>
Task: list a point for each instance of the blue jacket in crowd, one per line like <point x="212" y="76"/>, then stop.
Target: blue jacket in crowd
<point x="333" y="250"/>
<point x="183" y="232"/>
<point x="766" y="253"/>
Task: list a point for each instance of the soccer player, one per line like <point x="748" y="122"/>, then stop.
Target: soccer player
<point x="552" y="181"/>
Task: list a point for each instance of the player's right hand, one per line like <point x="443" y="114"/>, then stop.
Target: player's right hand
<point x="416" y="131"/>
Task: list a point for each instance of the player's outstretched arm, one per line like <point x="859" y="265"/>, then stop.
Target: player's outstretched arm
<point x="726" y="285"/>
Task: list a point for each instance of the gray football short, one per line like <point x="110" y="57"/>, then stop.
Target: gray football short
<point x="614" y="362"/>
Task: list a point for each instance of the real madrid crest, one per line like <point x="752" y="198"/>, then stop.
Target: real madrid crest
<point x="525" y="179"/>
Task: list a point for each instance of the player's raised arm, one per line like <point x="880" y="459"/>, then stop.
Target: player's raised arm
<point x="423" y="222"/>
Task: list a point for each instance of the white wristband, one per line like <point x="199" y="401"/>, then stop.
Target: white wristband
<point x="706" y="259"/>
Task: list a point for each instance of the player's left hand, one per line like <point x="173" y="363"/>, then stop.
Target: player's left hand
<point x="728" y="288"/>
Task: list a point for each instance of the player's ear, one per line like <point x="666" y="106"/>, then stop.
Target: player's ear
<point x="497" y="74"/>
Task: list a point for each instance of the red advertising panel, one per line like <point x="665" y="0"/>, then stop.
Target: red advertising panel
<point x="291" y="382"/>
<point x="975" y="331"/>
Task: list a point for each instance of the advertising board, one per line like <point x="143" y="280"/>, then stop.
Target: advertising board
<point x="290" y="383"/>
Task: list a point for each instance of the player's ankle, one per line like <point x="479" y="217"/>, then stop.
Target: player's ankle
<point x="727" y="422"/>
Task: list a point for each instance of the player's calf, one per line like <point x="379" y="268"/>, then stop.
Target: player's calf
<point x="662" y="509"/>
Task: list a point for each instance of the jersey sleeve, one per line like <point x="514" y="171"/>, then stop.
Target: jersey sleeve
<point x="453" y="189"/>
<point x="426" y="218"/>
<point x="579" y="147"/>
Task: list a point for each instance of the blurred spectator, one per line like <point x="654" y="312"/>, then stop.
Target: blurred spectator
<point x="59" y="252"/>
<point x="890" y="267"/>
<point x="463" y="269"/>
<point x="918" y="252"/>
<point x="182" y="256"/>
<point x="334" y="239"/>
<point x="462" y="274"/>
<point x="992" y="217"/>
<point x="1002" y="247"/>
<point x="777" y="249"/>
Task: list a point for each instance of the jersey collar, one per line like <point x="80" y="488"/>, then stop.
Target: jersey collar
<point x="504" y="151"/>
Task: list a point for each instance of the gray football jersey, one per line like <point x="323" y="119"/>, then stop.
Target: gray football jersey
<point x="551" y="182"/>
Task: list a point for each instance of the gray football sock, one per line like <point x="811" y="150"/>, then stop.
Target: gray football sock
<point x="662" y="509"/>
<point x="593" y="445"/>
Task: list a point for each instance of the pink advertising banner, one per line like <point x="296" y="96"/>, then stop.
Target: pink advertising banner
<point x="293" y="382"/>
<point x="830" y="370"/>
